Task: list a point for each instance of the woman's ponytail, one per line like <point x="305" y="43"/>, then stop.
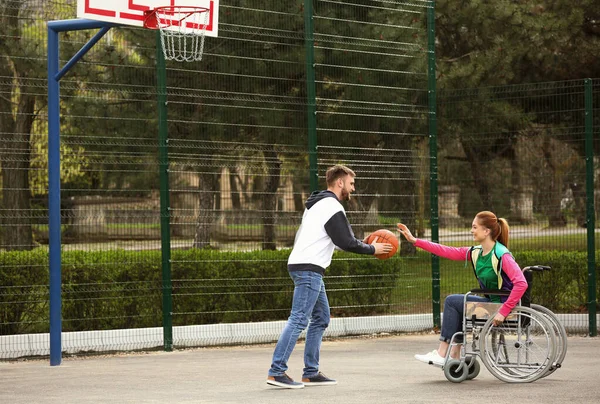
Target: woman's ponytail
<point x="498" y="226"/>
<point x="503" y="233"/>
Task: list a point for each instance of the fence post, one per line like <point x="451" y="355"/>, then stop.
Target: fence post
<point x="163" y="164"/>
<point x="309" y="43"/>
<point x="433" y="167"/>
<point x="590" y="219"/>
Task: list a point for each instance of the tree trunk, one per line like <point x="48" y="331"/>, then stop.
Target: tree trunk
<point x="16" y="195"/>
<point x="553" y="190"/>
<point x="519" y="214"/>
<point x="478" y="171"/>
<point x="206" y="212"/>
<point x="235" y="193"/>
<point x="297" y="190"/>
<point x="579" y="199"/>
<point x="15" y="134"/>
<point x="270" y="198"/>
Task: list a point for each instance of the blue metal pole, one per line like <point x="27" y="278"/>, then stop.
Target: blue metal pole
<point x="54" y="198"/>
<point x="77" y="24"/>
<point x="54" y="215"/>
<point x="82" y="52"/>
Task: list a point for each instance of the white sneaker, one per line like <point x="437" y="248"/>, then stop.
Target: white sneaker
<point x="431" y="358"/>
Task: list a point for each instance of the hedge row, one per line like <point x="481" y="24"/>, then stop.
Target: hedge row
<point x="564" y="289"/>
<point x="123" y="289"/>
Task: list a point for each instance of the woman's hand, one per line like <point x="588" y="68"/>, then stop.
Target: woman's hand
<point x="498" y="319"/>
<point x="406" y="233"/>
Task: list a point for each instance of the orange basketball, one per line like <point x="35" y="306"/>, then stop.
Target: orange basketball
<point x="384" y="236"/>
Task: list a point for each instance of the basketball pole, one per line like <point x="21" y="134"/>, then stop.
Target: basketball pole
<point x="54" y="214"/>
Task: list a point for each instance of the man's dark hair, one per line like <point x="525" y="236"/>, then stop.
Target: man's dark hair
<point x="336" y="172"/>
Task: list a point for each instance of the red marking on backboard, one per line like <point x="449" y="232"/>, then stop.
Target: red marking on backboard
<point x="98" y="11"/>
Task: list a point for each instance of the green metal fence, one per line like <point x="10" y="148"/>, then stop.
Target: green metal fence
<point x="204" y="247"/>
<point x="178" y="218"/>
<point x="527" y="153"/>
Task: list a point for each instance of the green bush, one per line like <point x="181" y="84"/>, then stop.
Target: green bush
<point x="123" y="289"/>
<point x="23" y="292"/>
<point x="564" y="289"/>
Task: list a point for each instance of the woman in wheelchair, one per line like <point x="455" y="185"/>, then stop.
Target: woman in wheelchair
<point x="490" y="254"/>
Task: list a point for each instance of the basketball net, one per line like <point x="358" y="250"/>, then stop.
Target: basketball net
<point x="182" y="31"/>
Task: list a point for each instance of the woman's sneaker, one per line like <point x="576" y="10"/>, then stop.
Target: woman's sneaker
<point x="318" y="380"/>
<point x="432" y="358"/>
<point x="284" y="381"/>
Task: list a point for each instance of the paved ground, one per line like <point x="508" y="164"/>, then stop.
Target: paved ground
<point x="369" y="370"/>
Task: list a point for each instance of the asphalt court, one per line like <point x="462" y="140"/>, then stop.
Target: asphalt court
<point x="368" y="369"/>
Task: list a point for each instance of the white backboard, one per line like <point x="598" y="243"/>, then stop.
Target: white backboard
<point x="131" y="12"/>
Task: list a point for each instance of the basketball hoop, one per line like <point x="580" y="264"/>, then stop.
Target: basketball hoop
<point x="182" y="30"/>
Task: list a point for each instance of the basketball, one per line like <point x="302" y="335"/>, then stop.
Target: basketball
<point x="384" y="236"/>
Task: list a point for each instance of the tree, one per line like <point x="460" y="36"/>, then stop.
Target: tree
<point x="372" y="79"/>
<point x="482" y="44"/>
<point x="18" y="97"/>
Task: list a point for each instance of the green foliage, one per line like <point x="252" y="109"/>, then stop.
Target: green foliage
<point x="111" y="290"/>
<point x="483" y="43"/>
<point x="359" y="286"/>
<point x="563" y="289"/>
<point x="123" y="289"/>
<point x="23" y="291"/>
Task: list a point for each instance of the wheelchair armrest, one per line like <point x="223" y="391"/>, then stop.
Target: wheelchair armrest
<point x="496" y="292"/>
<point x="537" y="268"/>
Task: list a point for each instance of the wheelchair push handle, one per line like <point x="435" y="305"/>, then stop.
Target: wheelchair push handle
<point x="537" y="268"/>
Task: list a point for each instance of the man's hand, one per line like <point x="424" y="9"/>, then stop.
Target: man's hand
<point x="406" y="233"/>
<point x="381" y="248"/>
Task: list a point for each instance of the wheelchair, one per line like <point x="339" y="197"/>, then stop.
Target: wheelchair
<point x="530" y="344"/>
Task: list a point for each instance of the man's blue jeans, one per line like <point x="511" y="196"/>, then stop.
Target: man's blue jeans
<point x="309" y="303"/>
<point x="454" y="308"/>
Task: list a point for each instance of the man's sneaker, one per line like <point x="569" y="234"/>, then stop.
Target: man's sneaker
<point x="432" y="358"/>
<point x="284" y="381"/>
<point x="318" y="380"/>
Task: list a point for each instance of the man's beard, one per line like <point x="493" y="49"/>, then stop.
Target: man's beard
<point x="345" y="195"/>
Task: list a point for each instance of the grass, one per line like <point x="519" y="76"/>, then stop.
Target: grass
<point x="413" y="292"/>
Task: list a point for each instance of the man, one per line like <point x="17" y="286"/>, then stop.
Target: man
<point x="324" y="227"/>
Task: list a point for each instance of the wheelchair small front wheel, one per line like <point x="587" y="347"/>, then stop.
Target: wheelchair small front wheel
<point x="474" y="367"/>
<point x="456" y="371"/>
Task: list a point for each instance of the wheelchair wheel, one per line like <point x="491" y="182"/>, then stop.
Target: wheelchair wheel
<point x="455" y="372"/>
<point x="560" y="334"/>
<point x="520" y="350"/>
<point x="474" y="367"/>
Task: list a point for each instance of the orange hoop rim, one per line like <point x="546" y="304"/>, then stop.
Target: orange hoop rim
<point x="151" y="20"/>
